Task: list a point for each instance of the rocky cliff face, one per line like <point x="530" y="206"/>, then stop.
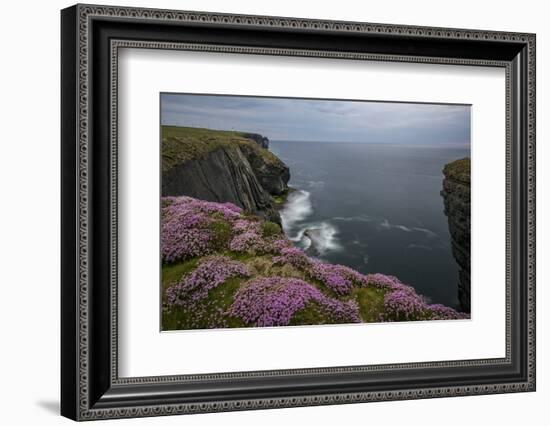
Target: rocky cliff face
<point x="223" y="167"/>
<point x="456" y="196"/>
<point x="272" y="175"/>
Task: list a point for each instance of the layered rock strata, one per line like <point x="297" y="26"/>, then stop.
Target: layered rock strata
<point x="223" y="167"/>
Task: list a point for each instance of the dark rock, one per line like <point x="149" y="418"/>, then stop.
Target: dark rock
<point x="241" y="173"/>
<point x="456" y="197"/>
<point x="273" y="174"/>
<point x="259" y="139"/>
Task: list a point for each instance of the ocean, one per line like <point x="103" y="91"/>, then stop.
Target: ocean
<point x="376" y="208"/>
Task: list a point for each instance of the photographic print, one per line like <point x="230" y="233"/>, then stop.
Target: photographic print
<point x="294" y="211"/>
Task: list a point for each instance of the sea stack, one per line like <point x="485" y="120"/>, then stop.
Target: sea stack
<point x="456" y="198"/>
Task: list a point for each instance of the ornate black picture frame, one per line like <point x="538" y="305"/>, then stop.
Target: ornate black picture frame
<point x="91" y="36"/>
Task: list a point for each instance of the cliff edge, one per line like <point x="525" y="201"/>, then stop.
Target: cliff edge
<point x="223" y="166"/>
<point x="456" y="197"/>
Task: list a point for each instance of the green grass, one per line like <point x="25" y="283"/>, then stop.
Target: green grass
<point x="181" y="144"/>
<point x="370" y="301"/>
<point x="312" y="314"/>
<point x="221" y="234"/>
<point x="172" y="273"/>
<point x="270" y="229"/>
<point x="458" y="170"/>
<point x="280" y="200"/>
<point x="221" y="297"/>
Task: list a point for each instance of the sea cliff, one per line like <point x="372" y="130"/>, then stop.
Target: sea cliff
<point x="226" y="261"/>
<point x="223" y="166"/>
<point x="456" y="196"/>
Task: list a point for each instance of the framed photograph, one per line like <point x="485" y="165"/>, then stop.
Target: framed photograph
<point x="263" y="212"/>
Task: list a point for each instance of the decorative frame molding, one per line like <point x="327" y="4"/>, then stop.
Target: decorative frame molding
<point x="91" y="37"/>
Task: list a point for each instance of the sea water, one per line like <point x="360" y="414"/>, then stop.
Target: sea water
<point x="376" y="208"/>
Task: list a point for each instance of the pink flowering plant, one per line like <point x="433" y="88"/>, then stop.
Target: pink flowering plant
<point x="284" y="297"/>
<point x="211" y="251"/>
<point x="211" y="272"/>
<point x="187" y="226"/>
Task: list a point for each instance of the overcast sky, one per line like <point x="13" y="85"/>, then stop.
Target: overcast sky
<point x="322" y="120"/>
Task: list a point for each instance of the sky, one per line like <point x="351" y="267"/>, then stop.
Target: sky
<point x="322" y="120"/>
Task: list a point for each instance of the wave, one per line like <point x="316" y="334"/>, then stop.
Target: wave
<point x="297" y="208"/>
<point x="318" y="237"/>
<point x="323" y="237"/>
<point x="429" y="234"/>
<point x="387" y="225"/>
<point x="360" y="218"/>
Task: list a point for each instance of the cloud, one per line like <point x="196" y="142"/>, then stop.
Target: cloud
<point x="322" y="120"/>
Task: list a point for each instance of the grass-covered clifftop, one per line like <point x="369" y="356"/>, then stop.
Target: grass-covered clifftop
<point x="181" y="144"/>
<point x="458" y="170"/>
<point x="225" y="268"/>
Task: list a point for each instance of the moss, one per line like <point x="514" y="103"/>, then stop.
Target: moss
<point x="241" y="257"/>
<point x="280" y="200"/>
<point x="219" y="299"/>
<point x="172" y="273"/>
<point x="270" y="229"/>
<point x="312" y="314"/>
<point x="370" y="301"/>
<point x="181" y="144"/>
<point x="263" y="266"/>
<point x="221" y="234"/>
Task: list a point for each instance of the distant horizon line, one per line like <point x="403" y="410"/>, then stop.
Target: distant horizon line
<point x="453" y="144"/>
<point x="449" y="144"/>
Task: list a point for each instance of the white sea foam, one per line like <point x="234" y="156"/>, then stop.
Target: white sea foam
<point x="318" y="236"/>
<point x="323" y="237"/>
<point x="429" y="234"/>
<point x="387" y="225"/>
<point x="297" y="208"/>
<point x="360" y="218"/>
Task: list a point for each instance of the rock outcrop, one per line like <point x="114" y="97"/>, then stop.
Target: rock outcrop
<point x="456" y="196"/>
<point x="273" y="175"/>
<point x="262" y="141"/>
<point x="223" y="167"/>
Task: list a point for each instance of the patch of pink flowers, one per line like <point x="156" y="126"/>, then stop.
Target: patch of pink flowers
<point x="188" y="227"/>
<point x="332" y="277"/>
<point x="247" y="242"/>
<point x="248" y="239"/>
<point x="278" y="245"/>
<point x="338" y="278"/>
<point x="211" y="272"/>
<point x="386" y="282"/>
<point x="402" y="305"/>
<point x="442" y="312"/>
<point x="185" y="229"/>
<point x="273" y="301"/>
<point x="293" y="256"/>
